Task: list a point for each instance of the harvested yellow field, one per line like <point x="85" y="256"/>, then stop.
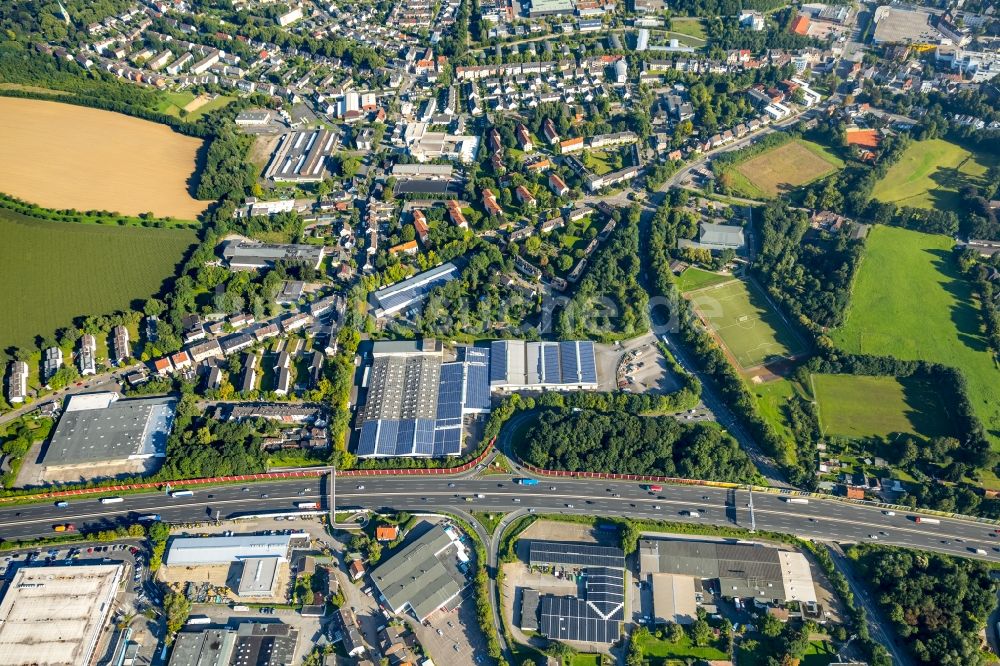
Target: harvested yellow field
<point x="65" y="156"/>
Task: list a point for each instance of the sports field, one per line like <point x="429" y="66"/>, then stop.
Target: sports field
<point x="909" y="301"/>
<point x="55" y="271"/>
<point x="66" y="156"/>
<point x="784" y="168"/>
<point x="931" y="173"/>
<point x="741" y="316"/>
<point x="696" y="278"/>
<point x="862" y="406"/>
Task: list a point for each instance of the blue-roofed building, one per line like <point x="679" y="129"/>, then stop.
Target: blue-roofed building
<point x="416" y="404"/>
<point x="516" y="365"/>
<point x="407" y="293"/>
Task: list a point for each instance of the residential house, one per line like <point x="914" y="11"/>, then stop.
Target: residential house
<point x="17" y="382"/>
<point x="52" y="360"/>
<point x="557" y="185"/>
<point x="525" y="197"/>
<point x="86" y="357"/>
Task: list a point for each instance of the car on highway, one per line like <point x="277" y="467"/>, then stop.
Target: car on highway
<point x="569" y="506"/>
<point x="517" y="500"/>
<point x="874" y="537"/>
<point x="62" y="505"/>
<point x="889" y="513"/>
<point x="361" y="486"/>
<point x="451" y="485"/>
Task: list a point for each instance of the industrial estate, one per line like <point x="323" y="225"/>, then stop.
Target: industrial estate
<point x="499" y="333"/>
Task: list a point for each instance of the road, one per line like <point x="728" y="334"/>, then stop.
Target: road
<point x="820" y="519"/>
<point x="876" y="620"/>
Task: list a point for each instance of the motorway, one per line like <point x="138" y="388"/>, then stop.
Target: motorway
<point x="820" y="519"/>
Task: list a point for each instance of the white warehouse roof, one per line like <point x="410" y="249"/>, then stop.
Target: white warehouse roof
<point x="188" y="551"/>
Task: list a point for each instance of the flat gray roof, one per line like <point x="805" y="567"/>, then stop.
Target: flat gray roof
<point x="123" y="430"/>
<point x="424" y="575"/>
<point x="258" y="576"/>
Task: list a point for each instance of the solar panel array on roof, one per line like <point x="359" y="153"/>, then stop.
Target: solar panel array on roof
<point x="550" y="364"/>
<point x="447" y="442"/>
<point x="588" y="362"/>
<point x="498" y="361"/>
<point x="367" y="443"/>
<point x="477" y="387"/>
<point x="605" y="590"/>
<point x="571" y="619"/>
<point x="517" y="364"/>
<point x="574" y="554"/>
<point x="449" y="404"/>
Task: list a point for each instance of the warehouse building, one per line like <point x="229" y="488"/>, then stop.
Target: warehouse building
<point x="99" y="429"/>
<point x="250" y="644"/>
<point x="596" y="614"/>
<point x="249" y="255"/>
<point x="426" y="574"/>
<point x="416" y="405"/>
<point x="301" y="156"/>
<point x="56" y="615"/>
<point x="516" y="365"/>
<point x="768" y="575"/>
<point x="197" y="551"/>
<point x="411" y="291"/>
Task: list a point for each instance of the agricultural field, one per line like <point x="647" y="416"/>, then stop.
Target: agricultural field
<point x="60" y="156"/>
<point x="861" y="406"/>
<point x="909" y="301"/>
<point x="784" y="168"/>
<point x="752" y="331"/>
<point x="56" y="271"/>
<point x="931" y="173"/>
<point x="696" y="278"/>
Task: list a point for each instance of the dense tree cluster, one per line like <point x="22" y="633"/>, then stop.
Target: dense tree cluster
<point x="479" y="302"/>
<point x="810" y="275"/>
<point x="609" y="302"/>
<point x="936" y="603"/>
<point x="44" y="19"/>
<point x="721" y="7"/>
<point x="586" y="440"/>
<point x="725" y="32"/>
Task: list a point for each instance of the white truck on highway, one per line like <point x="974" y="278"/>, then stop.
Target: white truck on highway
<point x="924" y="520"/>
<point x="797" y="500"/>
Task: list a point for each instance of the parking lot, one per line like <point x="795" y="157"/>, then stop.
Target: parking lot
<point x="452" y="636"/>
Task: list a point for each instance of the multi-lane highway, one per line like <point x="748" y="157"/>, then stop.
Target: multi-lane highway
<point x="828" y="520"/>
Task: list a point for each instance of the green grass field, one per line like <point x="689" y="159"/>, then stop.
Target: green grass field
<point x="909" y="301"/>
<point x="658" y="651"/>
<point x="174" y="102"/>
<point x="820" y="653"/>
<point x="931" y="173"/>
<point x="861" y="406"/>
<point x="689" y="26"/>
<point x="696" y="278"/>
<point x="771" y="399"/>
<point x="752" y="331"/>
<point x="781" y="169"/>
<point x="56" y="271"/>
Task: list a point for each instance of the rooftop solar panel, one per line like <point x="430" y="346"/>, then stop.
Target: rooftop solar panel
<point x="568" y="361"/>
<point x="477" y="388"/>
<point x="498" y="361"/>
<point x="449" y="405"/>
<point x="588" y="363"/>
<point x="404" y="437"/>
<point x="572" y="619"/>
<point x="448" y="442"/>
<point x="550" y="364"/>
<point x="387" y="438"/>
<point x="424" y="438"/>
<point x="575" y="554"/>
<point x="367" y="440"/>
